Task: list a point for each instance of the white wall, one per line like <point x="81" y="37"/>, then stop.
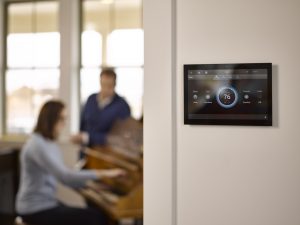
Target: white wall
<point x="241" y="175"/>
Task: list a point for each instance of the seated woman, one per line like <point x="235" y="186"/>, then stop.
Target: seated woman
<point x="42" y="167"/>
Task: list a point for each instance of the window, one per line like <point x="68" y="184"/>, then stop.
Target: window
<point x="112" y="36"/>
<point x="32" y="62"/>
<point x="125" y="47"/>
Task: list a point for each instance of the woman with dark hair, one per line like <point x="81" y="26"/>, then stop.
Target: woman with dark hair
<point x="42" y="167"/>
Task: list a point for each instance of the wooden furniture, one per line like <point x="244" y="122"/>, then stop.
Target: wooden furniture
<point x="120" y="198"/>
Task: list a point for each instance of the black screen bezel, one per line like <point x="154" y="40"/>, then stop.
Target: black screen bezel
<point x="267" y="122"/>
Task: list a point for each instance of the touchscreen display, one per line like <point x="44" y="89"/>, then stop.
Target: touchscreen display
<point x="228" y="94"/>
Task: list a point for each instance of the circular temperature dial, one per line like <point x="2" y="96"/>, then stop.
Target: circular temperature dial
<point x="227" y="97"/>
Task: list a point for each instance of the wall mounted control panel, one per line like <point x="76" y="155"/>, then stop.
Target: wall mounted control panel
<point x="228" y="94"/>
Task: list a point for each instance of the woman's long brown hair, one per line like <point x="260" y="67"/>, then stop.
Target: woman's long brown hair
<point x="48" y="117"/>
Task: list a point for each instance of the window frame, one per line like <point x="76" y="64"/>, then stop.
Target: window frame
<point x="3" y="107"/>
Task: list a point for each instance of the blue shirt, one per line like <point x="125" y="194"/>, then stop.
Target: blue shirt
<point x="42" y="167"/>
<point x="97" y="121"/>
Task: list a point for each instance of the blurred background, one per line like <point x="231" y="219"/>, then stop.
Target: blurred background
<point x="111" y="35"/>
<point x="56" y="49"/>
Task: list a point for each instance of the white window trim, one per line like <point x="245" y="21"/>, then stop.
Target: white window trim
<point x="2" y="90"/>
<point x="69" y="27"/>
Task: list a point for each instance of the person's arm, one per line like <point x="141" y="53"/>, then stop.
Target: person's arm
<point x="96" y="138"/>
<point x="54" y="165"/>
<point x="75" y="179"/>
<point x="124" y="110"/>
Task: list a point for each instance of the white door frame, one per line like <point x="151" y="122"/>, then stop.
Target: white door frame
<point x="160" y="113"/>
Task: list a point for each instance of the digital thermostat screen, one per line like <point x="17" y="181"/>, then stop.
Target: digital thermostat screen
<point x="228" y="94"/>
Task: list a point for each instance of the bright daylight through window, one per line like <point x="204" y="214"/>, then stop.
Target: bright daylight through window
<point x="32" y="77"/>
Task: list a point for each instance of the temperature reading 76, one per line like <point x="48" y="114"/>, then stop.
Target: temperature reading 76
<point x="227" y="96"/>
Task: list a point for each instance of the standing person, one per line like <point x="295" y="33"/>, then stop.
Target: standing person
<point x="101" y="111"/>
<point x="42" y="167"/>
